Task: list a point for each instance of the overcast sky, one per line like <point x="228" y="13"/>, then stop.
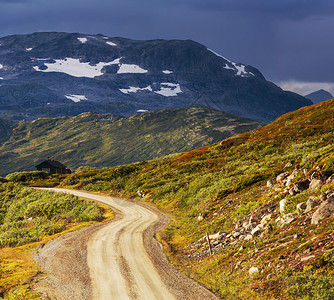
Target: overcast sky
<point x="290" y="41"/>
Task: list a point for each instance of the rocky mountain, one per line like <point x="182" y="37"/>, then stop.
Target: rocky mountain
<point x="319" y="96"/>
<point x="55" y="74"/>
<point x="104" y="140"/>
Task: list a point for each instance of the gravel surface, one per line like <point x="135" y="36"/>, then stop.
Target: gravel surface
<point x="68" y="276"/>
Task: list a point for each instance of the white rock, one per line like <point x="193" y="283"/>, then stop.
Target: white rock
<point x="256" y="231"/>
<point x="215" y="236"/>
<point x="270" y="183"/>
<point x="315" y="183"/>
<point x="311" y="203"/>
<point x="282" y="205"/>
<point x="287" y="219"/>
<point x="301" y="207"/>
<point x="265" y="220"/>
<point x="326" y="209"/>
<point x="253" y="271"/>
<point x="307" y="258"/>
<point x="248" y="237"/>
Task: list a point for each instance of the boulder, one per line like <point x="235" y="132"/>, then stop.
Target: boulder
<point x="282" y="205"/>
<point x="253" y="271"/>
<point x="256" y="231"/>
<point x="325" y="210"/>
<point x="291" y="177"/>
<point x="270" y="183"/>
<point x="248" y="237"/>
<point x="301" y="207"/>
<point x="315" y="183"/>
<point x="311" y="203"/>
<point x="215" y="237"/>
<point x="201" y="216"/>
<point x="289" y="164"/>
<point x="285" y="219"/>
<point x="236" y="234"/>
<point x="141" y="194"/>
<point x="265" y="220"/>
<point x="281" y="178"/>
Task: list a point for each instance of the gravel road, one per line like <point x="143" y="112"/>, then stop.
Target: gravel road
<point x="118" y="260"/>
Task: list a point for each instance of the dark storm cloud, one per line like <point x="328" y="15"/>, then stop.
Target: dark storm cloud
<point x="283" y="8"/>
<point x="285" y="39"/>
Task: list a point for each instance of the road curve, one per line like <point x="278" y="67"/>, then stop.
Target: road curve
<point x="124" y="260"/>
<point x="118" y="262"/>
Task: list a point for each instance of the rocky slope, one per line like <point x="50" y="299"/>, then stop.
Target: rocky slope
<point x="105" y="140"/>
<point x="56" y="74"/>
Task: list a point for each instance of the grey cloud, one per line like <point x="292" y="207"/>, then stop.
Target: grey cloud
<point x="295" y="9"/>
<point x="283" y="38"/>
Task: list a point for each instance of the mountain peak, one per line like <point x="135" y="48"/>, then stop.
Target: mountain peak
<point x="319" y="96"/>
<point x="79" y="72"/>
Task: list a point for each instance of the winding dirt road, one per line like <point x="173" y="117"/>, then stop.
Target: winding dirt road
<point x="123" y="258"/>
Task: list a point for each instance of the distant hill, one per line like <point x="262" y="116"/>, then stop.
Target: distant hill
<point x="5" y="129"/>
<point x="105" y="140"/>
<point x="319" y="96"/>
<point x="51" y="74"/>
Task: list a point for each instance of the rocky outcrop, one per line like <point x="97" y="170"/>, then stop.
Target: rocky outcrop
<point x="325" y="210"/>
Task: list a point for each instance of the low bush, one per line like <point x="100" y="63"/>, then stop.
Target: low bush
<point x="26" y="215"/>
<point x="26" y="176"/>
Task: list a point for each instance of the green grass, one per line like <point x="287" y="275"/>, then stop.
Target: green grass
<point x="28" y="218"/>
<point x="75" y="140"/>
<point x="227" y="182"/>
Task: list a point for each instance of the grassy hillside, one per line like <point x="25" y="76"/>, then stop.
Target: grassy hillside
<point x="107" y="140"/>
<point x="5" y="129"/>
<point x="27" y="219"/>
<point x="265" y="197"/>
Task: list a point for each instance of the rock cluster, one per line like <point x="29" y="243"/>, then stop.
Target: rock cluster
<point x="260" y="221"/>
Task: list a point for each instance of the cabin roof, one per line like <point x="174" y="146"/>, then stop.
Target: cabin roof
<point x="54" y="163"/>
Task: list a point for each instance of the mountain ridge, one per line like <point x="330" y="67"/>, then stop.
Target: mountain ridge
<point x="105" y="140"/>
<point x="319" y="96"/>
<point x="73" y="73"/>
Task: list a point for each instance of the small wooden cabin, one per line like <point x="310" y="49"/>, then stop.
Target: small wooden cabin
<point x="53" y="167"/>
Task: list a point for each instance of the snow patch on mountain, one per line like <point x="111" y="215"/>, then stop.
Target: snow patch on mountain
<point x="76" y="68"/>
<point x="83" y="40"/>
<point x="238" y="68"/>
<point x="133" y="89"/>
<point x="111" y="44"/>
<point x="167" y="72"/>
<point x="241" y="70"/>
<point x="76" y="98"/>
<point x="128" y="68"/>
<point x="168" y="89"/>
<point x="218" y="55"/>
<point x="227" y="67"/>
